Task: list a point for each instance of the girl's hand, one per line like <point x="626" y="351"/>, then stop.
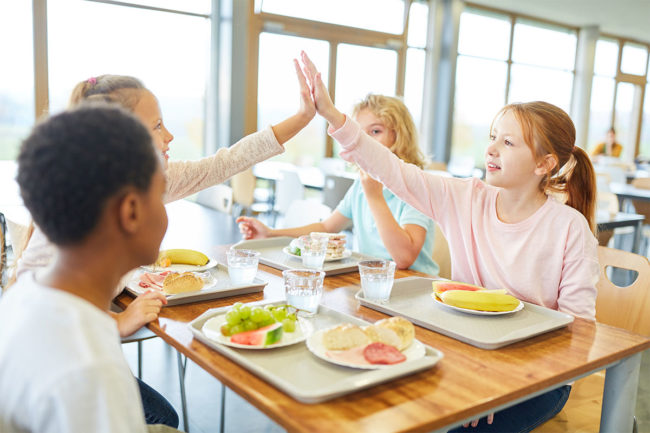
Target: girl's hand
<point x="324" y="104"/>
<point x="307" y="107"/>
<point x="252" y="228"/>
<point x="371" y="187"/>
<point x="142" y="310"/>
<point x="490" y="420"/>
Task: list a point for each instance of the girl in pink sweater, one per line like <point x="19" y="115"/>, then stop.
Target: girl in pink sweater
<point x="508" y="232"/>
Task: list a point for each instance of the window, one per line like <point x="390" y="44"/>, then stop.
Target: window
<point x="415" y="57"/>
<point x="481" y="69"/>
<point x="602" y="90"/>
<point x="172" y="64"/>
<point x="378" y="15"/>
<point x="634" y="60"/>
<point x="278" y="97"/>
<point x="16" y="81"/>
<point x="644" y="147"/>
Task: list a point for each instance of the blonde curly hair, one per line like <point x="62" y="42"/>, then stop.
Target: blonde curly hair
<point x="396" y="117"/>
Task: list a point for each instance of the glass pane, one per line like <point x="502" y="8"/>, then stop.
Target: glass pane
<point x="473" y="115"/>
<point x="362" y="70"/>
<point x="530" y="83"/>
<point x="606" y="58"/>
<point x="484" y="36"/>
<point x="414" y="83"/>
<point x="635" y="58"/>
<point x="17" y="81"/>
<point x="194" y="6"/>
<point x="418" y="18"/>
<point x="644" y="147"/>
<point x="625" y="122"/>
<point x="543" y="46"/>
<point x="600" y="114"/>
<point x="380" y="15"/>
<point x="172" y="64"/>
<point x="278" y="97"/>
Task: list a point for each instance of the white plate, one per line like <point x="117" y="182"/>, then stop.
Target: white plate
<point x="346" y="253"/>
<point x="315" y="345"/>
<point x="478" y="312"/>
<point x="212" y="330"/>
<point x="208" y="283"/>
<point x="181" y="268"/>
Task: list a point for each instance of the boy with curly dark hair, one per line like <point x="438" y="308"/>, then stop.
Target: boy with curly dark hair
<point x="94" y="184"/>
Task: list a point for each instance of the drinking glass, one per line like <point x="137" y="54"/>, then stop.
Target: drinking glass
<point x="313" y="250"/>
<point x="377" y="279"/>
<point x="242" y="265"/>
<point x="303" y="289"/>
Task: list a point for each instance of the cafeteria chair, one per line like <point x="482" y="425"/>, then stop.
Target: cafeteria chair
<point x="287" y="189"/>
<point x="247" y="198"/>
<point x="623" y="307"/>
<point x="219" y="197"/>
<point x="441" y="254"/>
<point x="303" y="212"/>
<point x="335" y="188"/>
<point x="643" y="207"/>
<point x="607" y="202"/>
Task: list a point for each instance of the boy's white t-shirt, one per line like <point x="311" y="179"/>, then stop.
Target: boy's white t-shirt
<point x="61" y="365"/>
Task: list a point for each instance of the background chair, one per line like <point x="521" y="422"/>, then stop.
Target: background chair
<point x="247" y="198"/>
<point x="303" y="212"/>
<point x="607" y="202"/>
<point x="335" y="188"/>
<point x="643" y="208"/>
<point x="287" y="189"/>
<point x="623" y="307"/>
<point x="219" y="197"/>
<point x="441" y="253"/>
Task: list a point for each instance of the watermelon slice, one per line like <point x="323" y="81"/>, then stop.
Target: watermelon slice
<point x="260" y="337"/>
<point x="440" y="286"/>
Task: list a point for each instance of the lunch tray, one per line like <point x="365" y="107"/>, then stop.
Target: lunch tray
<point x="411" y="298"/>
<point x="273" y="256"/>
<point x="222" y="289"/>
<point x="302" y="375"/>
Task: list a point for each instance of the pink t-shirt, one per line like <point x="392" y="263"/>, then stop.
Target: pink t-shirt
<point x="549" y="259"/>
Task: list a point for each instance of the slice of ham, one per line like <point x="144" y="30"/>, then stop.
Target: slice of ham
<point x="380" y="353"/>
<point x="153" y="280"/>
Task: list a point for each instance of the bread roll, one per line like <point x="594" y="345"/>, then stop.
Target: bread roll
<point x="344" y="337"/>
<point x="180" y="283"/>
<point x="383" y="335"/>
<point x="402" y="327"/>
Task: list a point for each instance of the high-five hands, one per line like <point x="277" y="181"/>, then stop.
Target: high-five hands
<point x="321" y="97"/>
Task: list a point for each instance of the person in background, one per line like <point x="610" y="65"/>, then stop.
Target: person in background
<point x="384" y="226"/>
<point x="609" y="147"/>
<point x="507" y="232"/>
<point x="61" y="363"/>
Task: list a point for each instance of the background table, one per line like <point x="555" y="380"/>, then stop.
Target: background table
<point x="467" y="383"/>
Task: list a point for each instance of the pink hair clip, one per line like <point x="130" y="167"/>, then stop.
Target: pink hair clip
<point x="92" y="81"/>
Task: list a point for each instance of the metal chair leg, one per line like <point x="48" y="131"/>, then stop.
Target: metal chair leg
<point x="222" y="421"/>
<point x="182" y="364"/>
<point x="140" y="359"/>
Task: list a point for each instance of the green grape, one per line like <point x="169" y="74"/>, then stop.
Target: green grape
<point x="266" y="316"/>
<point x="279" y="314"/>
<point x="292" y="316"/>
<point x="267" y="322"/>
<point x="225" y="330"/>
<point x="249" y="325"/>
<point x="237" y="329"/>
<point x="269" y="307"/>
<point x="288" y="325"/>
<point x="257" y="314"/>
<point x="237" y="305"/>
<point x="233" y="317"/>
<point x="245" y="312"/>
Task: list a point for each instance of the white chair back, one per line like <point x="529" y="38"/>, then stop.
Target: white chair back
<point x="288" y="188"/>
<point x="335" y="188"/>
<point x="217" y="197"/>
<point x="303" y="212"/>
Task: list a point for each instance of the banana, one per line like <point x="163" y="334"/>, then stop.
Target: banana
<point x="181" y="256"/>
<point x="479" y="300"/>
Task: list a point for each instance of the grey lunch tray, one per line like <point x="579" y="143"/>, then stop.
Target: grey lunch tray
<point x="411" y="298"/>
<point x="222" y="289"/>
<point x="299" y="373"/>
<point x="272" y="255"/>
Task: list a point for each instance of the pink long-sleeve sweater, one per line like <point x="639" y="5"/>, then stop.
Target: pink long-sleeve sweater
<point x="549" y="259"/>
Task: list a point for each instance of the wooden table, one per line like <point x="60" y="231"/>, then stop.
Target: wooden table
<point x="468" y="382"/>
<point x="626" y="191"/>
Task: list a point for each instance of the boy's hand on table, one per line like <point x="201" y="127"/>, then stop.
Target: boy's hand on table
<point x="144" y="309"/>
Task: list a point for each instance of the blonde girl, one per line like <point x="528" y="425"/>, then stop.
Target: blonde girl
<point x="507" y="232"/>
<point x="184" y="178"/>
<point x="384" y="226"/>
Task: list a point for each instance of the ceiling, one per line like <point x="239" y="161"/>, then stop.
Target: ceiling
<point x="627" y="18"/>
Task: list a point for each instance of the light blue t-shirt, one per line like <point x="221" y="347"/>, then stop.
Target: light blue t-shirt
<point x="355" y="206"/>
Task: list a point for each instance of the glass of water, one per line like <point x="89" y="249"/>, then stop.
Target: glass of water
<point x="377" y="279"/>
<point x="304" y="288"/>
<point x="313" y="250"/>
<point x="242" y="265"/>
